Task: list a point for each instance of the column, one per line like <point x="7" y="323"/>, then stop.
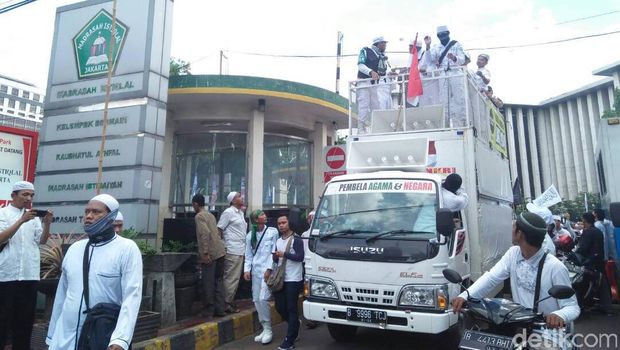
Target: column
<point x="553" y="173"/>
<point x="593" y="118"/>
<point x="576" y="146"/>
<point x="559" y="154"/>
<point x="256" y="137"/>
<point x="534" y="152"/>
<point x="569" y="162"/>
<point x="167" y="189"/>
<point x="319" y="140"/>
<point x="603" y="102"/>
<point x="525" y="169"/>
<point x="512" y="150"/>
<point x="586" y="140"/>
<point x="610" y="91"/>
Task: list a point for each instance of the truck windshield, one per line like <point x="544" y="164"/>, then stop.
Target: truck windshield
<point x="378" y="209"/>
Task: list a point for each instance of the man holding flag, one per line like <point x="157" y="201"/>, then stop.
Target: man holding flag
<point x="414" y="88"/>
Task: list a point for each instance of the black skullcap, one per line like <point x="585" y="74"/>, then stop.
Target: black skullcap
<point x="531" y="223"/>
<point x="453" y="182"/>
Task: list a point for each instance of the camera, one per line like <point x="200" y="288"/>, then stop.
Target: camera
<point x="39" y="213"/>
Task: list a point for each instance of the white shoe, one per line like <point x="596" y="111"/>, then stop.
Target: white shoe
<point x="259" y="338"/>
<point x="267" y="333"/>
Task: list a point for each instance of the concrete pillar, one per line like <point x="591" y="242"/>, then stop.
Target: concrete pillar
<point x="523" y="154"/>
<point x="603" y="102"/>
<point x="593" y="117"/>
<point x="512" y="150"/>
<point x="616" y="77"/>
<point x="319" y="140"/>
<point x="167" y="190"/>
<point x="551" y="149"/>
<point x="586" y="140"/>
<point x="534" y="152"/>
<point x="544" y="149"/>
<point x="576" y="146"/>
<point x="569" y="161"/>
<point x="556" y="136"/>
<point x="256" y="144"/>
<point x="611" y="97"/>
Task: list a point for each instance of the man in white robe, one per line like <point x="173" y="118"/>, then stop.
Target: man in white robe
<point x="115" y="276"/>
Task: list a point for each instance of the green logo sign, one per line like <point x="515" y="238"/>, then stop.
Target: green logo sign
<point x="92" y="45"/>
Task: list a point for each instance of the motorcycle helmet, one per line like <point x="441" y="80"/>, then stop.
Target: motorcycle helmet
<point x="565" y="242"/>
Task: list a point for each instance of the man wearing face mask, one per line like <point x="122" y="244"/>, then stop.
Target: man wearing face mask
<point x="372" y="64"/>
<point x="115" y="276"/>
<point x="445" y="59"/>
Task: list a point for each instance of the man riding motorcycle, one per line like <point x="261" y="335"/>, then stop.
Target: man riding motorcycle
<point x="521" y="263"/>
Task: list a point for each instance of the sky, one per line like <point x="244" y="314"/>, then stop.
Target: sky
<point x="202" y="28"/>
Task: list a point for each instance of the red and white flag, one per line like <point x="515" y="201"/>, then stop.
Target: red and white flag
<point x="414" y="88"/>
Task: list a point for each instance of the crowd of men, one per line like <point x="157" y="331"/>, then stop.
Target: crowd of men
<point x="444" y="59"/>
<point x="101" y="276"/>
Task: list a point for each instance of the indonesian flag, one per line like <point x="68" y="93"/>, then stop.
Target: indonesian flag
<point x="414" y="88"/>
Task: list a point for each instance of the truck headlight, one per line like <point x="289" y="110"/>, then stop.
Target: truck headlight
<point x="432" y="296"/>
<point x="322" y="288"/>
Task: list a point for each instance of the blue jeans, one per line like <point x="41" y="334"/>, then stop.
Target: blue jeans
<point x="286" y="305"/>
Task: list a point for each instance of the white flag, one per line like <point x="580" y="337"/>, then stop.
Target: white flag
<point x="548" y="198"/>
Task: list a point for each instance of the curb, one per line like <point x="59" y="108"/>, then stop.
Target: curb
<point x="209" y="335"/>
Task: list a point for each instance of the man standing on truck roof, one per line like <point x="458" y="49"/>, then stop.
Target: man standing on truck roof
<point x="372" y="64"/>
<point x="445" y="59"/>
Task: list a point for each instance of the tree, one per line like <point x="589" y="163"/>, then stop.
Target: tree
<point x="615" y="111"/>
<point x="179" y="67"/>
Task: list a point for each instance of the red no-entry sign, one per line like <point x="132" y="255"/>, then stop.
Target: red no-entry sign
<point x="335" y="157"/>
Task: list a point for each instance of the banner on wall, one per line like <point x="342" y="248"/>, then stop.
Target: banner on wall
<point x="18" y="151"/>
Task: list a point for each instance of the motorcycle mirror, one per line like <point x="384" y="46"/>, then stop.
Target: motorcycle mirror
<point x="561" y="292"/>
<point x="452" y="276"/>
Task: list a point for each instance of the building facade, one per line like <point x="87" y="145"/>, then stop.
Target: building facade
<point x="21" y="104"/>
<point x="555" y="141"/>
<point x="261" y="137"/>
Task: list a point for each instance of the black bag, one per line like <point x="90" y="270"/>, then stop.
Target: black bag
<point x="100" y="319"/>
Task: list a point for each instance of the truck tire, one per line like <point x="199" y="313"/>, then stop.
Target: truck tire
<point x="341" y="333"/>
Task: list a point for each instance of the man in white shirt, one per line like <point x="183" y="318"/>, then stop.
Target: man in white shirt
<point x="115" y="276"/>
<point x="520" y="264"/>
<point x="558" y="230"/>
<point x="233" y="228"/>
<point x="118" y="223"/>
<point x="21" y="234"/>
<point x="445" y="59"/>
<point x="372" y="63"/>
<point x="454" y="198"/>
<point x="482" y="77"/>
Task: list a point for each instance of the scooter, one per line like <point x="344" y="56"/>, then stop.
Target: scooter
<point x="500" y="324"/>
<point x="585" y="280"/>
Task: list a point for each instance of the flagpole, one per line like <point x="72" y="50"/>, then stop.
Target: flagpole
<point x="338" y="59"/>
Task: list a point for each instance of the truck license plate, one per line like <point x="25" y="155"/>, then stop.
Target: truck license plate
<point x="366" y="316"/>
<point x="474" y="340"/>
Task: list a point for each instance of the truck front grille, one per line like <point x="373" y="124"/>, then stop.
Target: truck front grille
<point x="365" y="295"/>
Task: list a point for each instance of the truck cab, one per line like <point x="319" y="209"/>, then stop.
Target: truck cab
<point x="381" y="235"/>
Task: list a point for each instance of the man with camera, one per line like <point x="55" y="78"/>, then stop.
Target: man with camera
<point x="21" y="233"/>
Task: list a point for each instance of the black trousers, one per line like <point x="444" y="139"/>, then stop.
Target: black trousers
<point x="18" y="301"/>
<point x="286" y="305"/>
<point x="213" y="286"/>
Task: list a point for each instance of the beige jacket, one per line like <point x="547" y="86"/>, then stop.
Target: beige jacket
<point x="208" y="237"/>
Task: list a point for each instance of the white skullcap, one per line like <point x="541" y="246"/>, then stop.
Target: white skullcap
<point x="231" y="196"/>
<point x="544" y="213"/>
<point x="378" y="40"/>
<point x="119" y="217"/>
<point x="485" y="56"/>
<point x="22" y="185"/>
<point x="557" y="217"/>
<point x="108" y="200"/>
<point x="442" y="29"/>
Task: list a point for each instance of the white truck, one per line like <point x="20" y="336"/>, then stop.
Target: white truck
<point x="380" y="239"/>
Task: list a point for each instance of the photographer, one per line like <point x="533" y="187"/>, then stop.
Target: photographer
<point x="21" y="233"/>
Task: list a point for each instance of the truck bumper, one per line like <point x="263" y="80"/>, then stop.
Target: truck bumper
<point x="398" y="320"/>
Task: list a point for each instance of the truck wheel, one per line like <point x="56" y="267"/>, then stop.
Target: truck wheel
<point x="341" y="333"/>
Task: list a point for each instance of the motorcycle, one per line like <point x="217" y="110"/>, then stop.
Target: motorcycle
<point x="501" y="324"/>
<point x="585" y="280"/>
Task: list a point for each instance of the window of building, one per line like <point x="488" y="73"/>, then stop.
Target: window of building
<point x="601" y="174"/>
<point x="4" y="89"/>
<point x="33" y="109"/>
<point x="210" y="164"/>
<point x="15" y="92"/>
<point x="36" y="97"/>
<point x="25" y="94"/>
<point x="286" y="172"/>
<point x="1" y="101"/>
<point x="22" y="106"/>
<point x="21" y="114"/>
<point x="11" y="103"/>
